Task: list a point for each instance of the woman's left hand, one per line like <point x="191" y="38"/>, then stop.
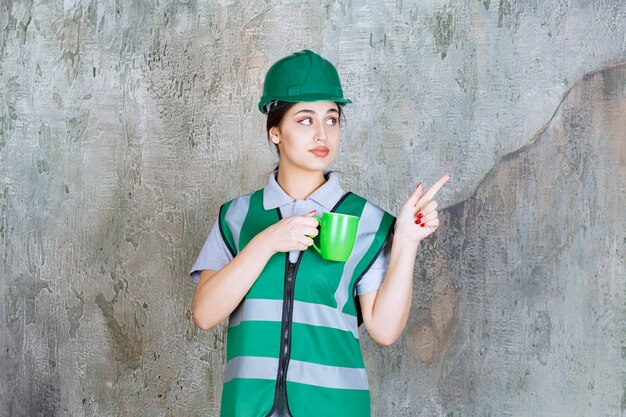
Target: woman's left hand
<point x="418" y="217"/>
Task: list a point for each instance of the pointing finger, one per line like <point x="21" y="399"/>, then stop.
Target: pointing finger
<point x="428" y="195"/>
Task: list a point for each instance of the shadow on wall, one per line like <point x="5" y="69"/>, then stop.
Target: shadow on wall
<point x="523" y="266"/>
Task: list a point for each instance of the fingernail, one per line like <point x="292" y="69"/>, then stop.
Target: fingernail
<point x="422" y="225"/>
<point x="418" y="221"/>
<point x="418" y="184"/>
<point x="312" y="211"/>
<point x="420" y="215"/>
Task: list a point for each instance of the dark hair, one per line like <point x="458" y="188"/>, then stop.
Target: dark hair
<point x="276" y="115"/>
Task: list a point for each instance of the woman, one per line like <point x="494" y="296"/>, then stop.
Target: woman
<point x="292" y="345"/>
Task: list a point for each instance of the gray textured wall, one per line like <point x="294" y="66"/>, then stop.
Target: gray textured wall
<point x="124" y="125"/>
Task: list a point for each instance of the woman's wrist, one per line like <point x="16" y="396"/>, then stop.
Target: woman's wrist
<point x="404" y="240"/>
<point x="259" y="245"/>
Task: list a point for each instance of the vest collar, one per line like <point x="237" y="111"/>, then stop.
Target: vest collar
<point x="326" y="195"/>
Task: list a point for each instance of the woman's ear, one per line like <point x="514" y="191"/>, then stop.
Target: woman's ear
<point x="274" y="135"/>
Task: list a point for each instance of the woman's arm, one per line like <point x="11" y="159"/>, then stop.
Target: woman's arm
<point x="218" y="293"/>
<point x="386" y="311"/>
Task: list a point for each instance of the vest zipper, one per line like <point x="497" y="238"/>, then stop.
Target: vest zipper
<point x="285" y="338"/>
<point x="280" y="396"/>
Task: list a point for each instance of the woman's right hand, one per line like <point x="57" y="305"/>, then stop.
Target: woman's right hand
<point x="290" y="233"/>
<point x="219" y="292"/>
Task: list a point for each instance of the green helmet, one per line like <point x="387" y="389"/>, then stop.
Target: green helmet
<point x="302" y="76"/>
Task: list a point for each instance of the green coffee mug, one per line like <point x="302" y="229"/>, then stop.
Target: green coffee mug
<point x="337" y="236"/>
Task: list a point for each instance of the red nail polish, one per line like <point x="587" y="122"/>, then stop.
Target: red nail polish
<point x="422" y="225"/>
<point x="418" y="221"/>
<point x="420" y="215"/>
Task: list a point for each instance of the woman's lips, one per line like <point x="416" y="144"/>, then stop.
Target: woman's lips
<point x="320" y="151"/>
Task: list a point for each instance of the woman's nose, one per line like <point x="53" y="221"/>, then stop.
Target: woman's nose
<point x="320" y="134"/>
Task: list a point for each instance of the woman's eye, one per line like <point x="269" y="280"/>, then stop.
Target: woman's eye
<point x="305" y="122"/>
<point x="331" y="121"/>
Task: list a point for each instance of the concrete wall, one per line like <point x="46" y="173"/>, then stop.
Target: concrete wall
<point x="124" y="125"/>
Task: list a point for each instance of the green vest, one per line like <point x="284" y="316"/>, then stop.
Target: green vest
<point x="293" y="342"/>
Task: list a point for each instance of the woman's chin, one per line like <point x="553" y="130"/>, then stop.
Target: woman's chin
<point x="324" y="162"/>
<point x="321" y="165"/>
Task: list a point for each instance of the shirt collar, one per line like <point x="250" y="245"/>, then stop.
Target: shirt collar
<point x="326" y="195"/>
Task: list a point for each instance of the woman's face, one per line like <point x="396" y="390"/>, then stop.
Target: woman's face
<point x="308" y="136"/>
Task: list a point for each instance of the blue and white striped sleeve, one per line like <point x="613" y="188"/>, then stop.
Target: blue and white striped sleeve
<point x="214" y="254"/>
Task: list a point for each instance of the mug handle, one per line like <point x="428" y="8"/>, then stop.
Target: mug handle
<point x="319" y="220"/>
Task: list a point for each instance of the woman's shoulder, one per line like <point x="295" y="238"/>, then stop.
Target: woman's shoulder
<point x="241" y="198"/>
<point x="371" y="205"/>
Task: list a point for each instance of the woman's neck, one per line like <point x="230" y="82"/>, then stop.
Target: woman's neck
<point x="299" y="184"/>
